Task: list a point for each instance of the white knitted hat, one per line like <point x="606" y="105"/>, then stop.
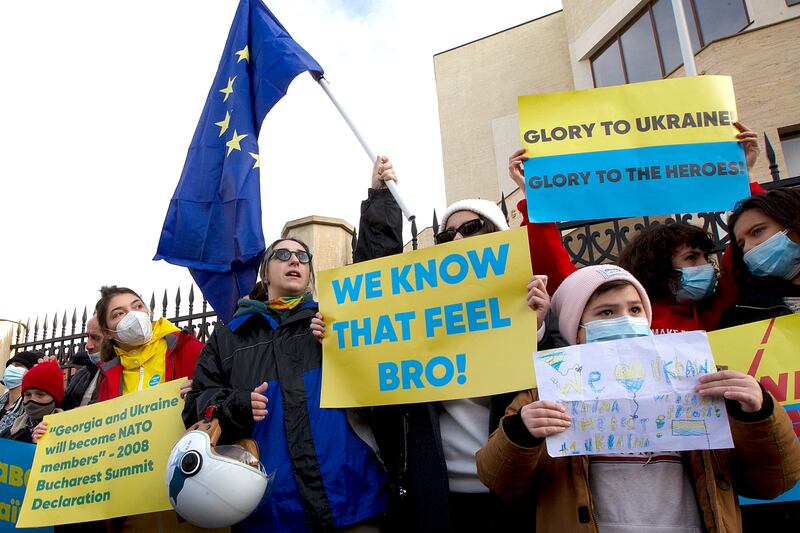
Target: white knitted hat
<point x="484" y="208"/>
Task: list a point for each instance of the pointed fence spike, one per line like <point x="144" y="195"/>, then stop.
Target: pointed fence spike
<point x="773" y="162"/>
<point x="353" y="244"/>
<point x="152" y="303"/>
<point x="435" y="225"/>
<point x="191" y="298"/>
<point x="178" y="302"/>
<point x="414" y="242"/>
<point x="164" y="303"/>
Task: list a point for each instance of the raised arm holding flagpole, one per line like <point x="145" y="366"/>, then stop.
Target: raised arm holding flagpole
<point x="213" y="223"/>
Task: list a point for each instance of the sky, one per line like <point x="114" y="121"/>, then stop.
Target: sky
<point x="99" y="101"/>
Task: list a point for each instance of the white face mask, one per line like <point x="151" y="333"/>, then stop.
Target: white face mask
<point x="135" y="328"/>
<point x="12" y="377"/>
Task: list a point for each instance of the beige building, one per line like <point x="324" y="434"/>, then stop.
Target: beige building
<point x="593" y="43"/>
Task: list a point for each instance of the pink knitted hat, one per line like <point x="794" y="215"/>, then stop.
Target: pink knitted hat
<point x="570" y="299"/>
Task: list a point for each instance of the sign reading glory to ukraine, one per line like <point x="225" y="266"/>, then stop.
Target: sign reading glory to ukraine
<point x="447" y="322"/>
<point x="651" y="148"/>
<point x="105" y="460"/>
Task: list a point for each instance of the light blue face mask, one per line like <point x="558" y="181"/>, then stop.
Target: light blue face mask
<point x="94" y="357"/>
<point x="609" y="329"/>
<point x="12" y="377"/>
<point x="778" y="256"/>
<point x="697" y="283"/>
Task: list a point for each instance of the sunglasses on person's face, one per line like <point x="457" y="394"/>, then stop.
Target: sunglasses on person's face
<point x="282" y="254"/>
<point x="467" y="229"/>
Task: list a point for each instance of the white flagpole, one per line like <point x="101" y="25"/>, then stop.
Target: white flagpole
<point x="689" y="66"/>
<point x="372" y="156"/>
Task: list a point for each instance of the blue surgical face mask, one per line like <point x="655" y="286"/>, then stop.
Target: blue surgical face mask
<point x="94" y="357"/>
<point x="697" y="283"/>
<point x="12" y="377"/>
<point x="609" y="329"/>
<point x="778" y="256"/>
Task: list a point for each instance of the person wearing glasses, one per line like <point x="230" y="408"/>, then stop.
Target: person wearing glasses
<point x="262" y="373"/>
<point x="429" y="448"/>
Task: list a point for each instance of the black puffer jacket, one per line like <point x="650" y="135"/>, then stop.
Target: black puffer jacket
<point x="760" y="299"/>
<point x="80" y="382"/>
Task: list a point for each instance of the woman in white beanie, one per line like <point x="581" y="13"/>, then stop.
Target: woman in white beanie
<point x="429" y="448"/>
<point x="444" y="492"/>
<point x="665" y="492"/>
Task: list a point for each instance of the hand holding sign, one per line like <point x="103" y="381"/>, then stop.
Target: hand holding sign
<point x="516" y="170"/>
<point x="538" y="298"/>
<point x="732" y="385"/>
<point x="749" y="141"/>
<point x="544" y="418"/>
<point x="318" y="327"/>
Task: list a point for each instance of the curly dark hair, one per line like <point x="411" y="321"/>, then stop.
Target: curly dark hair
<point x="781" y="205"/>
<point x="649" y="256"/>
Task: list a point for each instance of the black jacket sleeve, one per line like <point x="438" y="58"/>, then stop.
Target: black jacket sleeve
<point x="380" y="230"/>
<point x="211" y="386"/>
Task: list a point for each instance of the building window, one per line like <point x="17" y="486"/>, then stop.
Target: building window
<point x="790" y="144"/>
<point x="647" y="48"/>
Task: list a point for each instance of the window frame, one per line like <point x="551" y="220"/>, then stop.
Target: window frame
<point x="647" y="10"/>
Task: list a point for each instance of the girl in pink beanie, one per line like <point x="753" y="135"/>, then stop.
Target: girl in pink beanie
<point x="664" y="491"/>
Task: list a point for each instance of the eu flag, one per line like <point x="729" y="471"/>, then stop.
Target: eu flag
<point x="213" y="224"/>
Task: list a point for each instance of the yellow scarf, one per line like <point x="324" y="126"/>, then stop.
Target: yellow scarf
<point x="145" y="365"/>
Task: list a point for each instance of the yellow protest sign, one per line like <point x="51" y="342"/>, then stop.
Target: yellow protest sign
<point x="697" y="109"/>
<point x="105" y="460"/>
<point x="766" y="350"/>
<point x="450" y="321"/>
<point x="652" y="148"/>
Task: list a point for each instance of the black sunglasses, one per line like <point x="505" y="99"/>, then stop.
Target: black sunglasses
<point x="282" y="254"/>
<point x="467" y="229"/>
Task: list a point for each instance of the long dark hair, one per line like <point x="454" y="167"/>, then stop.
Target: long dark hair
<point x="107" y="292"/>
<point x="649" y="256"/>
<point x="260" y="292"/>
<point x="781" y="205"/>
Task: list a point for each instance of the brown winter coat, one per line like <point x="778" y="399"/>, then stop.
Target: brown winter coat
<point x="764" y="464"/>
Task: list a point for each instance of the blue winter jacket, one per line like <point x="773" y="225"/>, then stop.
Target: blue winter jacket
<point x="326" y="476"/>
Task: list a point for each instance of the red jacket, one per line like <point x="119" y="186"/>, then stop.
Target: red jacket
<point x="548" y="255"/>
<point x="182" y="353"/>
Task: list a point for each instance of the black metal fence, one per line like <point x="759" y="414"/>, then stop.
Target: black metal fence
<point x="64" y="337"/>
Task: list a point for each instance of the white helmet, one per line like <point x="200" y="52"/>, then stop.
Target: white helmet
<point x="213" y="486"/>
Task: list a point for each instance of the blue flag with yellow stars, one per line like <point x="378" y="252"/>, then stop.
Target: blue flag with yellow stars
<point x="213" y="224"/>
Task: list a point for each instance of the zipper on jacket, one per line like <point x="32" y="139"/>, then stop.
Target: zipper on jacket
<point x="763" y="308"/>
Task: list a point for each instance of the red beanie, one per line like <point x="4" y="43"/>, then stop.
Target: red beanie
<point x="46" y="377"/>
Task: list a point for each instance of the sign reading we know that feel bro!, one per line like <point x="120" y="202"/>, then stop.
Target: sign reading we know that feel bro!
<point x="652" y="148"/>
<point x="446" y="322"/>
